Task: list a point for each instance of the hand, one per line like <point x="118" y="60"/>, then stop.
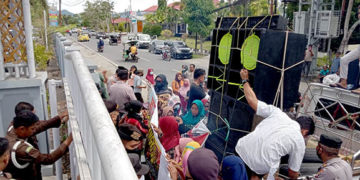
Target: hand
<point x="63" y="115"/>
<point x="179" y="120"/>
<point x="104" y="72"/>
<point x="156" y="129"/>
<point x="69" y="140"/>
<point x="279" y="178"/>
<point x="173" y="172"/>
<point x="244" y="74"/>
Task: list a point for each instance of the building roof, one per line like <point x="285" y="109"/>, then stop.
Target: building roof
<point x="177" y="7"/>
<point x="117" y="21"/>
<point x="151" y="9"/>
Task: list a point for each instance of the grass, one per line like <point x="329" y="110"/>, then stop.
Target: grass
<point x="190" y="42"/>
<point x="197" y="56"/>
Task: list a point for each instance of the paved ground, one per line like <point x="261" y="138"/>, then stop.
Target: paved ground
<point x="147" y="60"/>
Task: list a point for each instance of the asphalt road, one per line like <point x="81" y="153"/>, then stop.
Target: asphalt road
<point x="147" y="60"/>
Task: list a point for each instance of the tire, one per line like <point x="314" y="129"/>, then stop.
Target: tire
<point x="149" y="50"/>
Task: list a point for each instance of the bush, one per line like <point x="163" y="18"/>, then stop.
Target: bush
<point x="121" y="27"/>
<point x="41" y="56"/>
<point x="128" y="28"/>
<point x="152" y="29"/>
<point x="166" y="33"/>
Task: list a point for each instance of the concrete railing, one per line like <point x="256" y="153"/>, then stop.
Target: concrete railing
<point x="96" y="152"/>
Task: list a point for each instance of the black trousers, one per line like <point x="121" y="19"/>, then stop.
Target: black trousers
<point x="139" y="97"/>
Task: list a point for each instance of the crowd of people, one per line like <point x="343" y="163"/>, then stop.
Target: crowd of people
<point x="180" y="107"/>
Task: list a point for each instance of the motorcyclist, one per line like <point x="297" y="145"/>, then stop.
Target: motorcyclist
<point x="100" y="42"/>
<point x="132" y="49"/>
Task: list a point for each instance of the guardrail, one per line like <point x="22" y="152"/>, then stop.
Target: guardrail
<point x="96" y="152"/>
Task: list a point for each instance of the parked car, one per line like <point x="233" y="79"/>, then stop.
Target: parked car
<point x="179" y="50"/>
<point x="83" y="37"/>
<point x="92" y="32"/>
<point x="100" y="34"/>
<point x="156" y="46"/>
<point x="131" y="36"/>
<point x="143" y="40"/>
<point x="74" y="30"/>
<point x="86" y="32"/>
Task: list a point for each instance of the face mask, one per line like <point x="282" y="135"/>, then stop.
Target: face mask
<point x="318" y="154"/>
<point x="151" y="73"/>
<point x="140" y="114"/>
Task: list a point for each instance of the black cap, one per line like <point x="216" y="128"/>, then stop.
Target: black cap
<point x="129" y="132"/>
<point x="330" y="141"/>
<point x="140" y="169"/>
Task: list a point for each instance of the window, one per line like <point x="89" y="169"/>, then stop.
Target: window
<point x="336" y="112"/>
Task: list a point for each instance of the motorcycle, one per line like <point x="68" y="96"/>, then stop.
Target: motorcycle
<point x="166" y="54"/>
<point x="126" y="54"/>
<point x="100" y="48"/>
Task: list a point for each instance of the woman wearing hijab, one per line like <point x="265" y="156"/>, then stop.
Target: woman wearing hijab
<point x="162" y="91"/>
<point x="206" y="104"/>
<point x="192" y="117"/>
<point x="169" y="136"/>
<point x="167" y="111"/>
<point x="202" y="165"/>
<point x="183" y="94"/>
<point x="132" y="76"/>
<point x="233" y="168"/>
<point x="175" y="103"/>
<point x="150" y="77"/>
<point x="177" y="83"/>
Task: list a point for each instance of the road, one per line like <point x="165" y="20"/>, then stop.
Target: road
<point x="147" y="60"/>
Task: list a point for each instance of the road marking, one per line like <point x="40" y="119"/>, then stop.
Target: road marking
<point x="144" y="59"/>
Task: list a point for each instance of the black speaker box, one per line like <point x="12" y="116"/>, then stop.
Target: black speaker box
<point x="264" y="79"/>
<point x="275" y="22"/>
<point x="238" y="114"/>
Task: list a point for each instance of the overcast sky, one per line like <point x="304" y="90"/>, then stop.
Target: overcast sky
<point x="120" y="5"/>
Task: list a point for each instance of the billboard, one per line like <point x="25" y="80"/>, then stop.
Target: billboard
<point x="53" y="16"/>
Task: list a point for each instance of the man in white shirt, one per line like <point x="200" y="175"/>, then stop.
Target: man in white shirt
<point x="276" y="136"/>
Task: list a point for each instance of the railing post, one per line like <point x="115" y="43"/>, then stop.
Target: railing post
<point x="29" y="38"/>
<point x="53" y="108"/>
<point x="2" y="68"/>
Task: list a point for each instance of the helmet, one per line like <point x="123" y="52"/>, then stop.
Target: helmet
<point x="101" y="38"/>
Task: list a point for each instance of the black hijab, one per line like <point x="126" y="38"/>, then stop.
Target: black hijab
<point x="161" y="87"/>
<point x="133" y="108"/>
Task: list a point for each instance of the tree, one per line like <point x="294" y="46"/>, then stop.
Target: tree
<point x="198" y="15"/>
<point x="347" y="32"/>
<point x="259" y="8"/>
<point x="166" y="33"/>
<point x="98" y="13"/>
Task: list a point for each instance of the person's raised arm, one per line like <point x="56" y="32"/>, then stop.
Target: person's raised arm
<point x="249" y="93"/>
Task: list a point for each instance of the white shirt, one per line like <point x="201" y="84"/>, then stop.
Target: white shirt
<point x="276" y="136"/>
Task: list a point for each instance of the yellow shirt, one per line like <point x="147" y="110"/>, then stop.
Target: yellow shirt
<point x="133" y="49"/>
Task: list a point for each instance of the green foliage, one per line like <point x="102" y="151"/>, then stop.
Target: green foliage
<point x="197" y="14"/>
<point x="97" y="13"/>
<point x="152" y="29"/>
<point x="259" y="8"/>
<point x="121" y="27"/>
<point x="166" y="33"/>
<point x="162" y="4"/>
<point x="41" y="56"/>
<point x="128" y="28"/>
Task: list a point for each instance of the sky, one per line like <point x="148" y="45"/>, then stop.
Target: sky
<point x="120" y="5"/>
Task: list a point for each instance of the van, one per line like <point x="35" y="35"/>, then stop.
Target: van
<point x="143" y="40"/>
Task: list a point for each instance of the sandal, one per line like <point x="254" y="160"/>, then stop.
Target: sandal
<point x="356" y="91"/>
<point x="337" y="85"/>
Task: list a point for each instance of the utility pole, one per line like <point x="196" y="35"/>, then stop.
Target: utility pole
<point x="59" y="13"/>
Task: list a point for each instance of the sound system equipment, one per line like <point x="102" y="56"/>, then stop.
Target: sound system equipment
<point x="270" y="22"/>
<point x="239" y="115"/>
<point x="353" y="72"/>
<point x="224" y="80"/>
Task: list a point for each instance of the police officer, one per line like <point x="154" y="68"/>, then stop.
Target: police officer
<point x="334" y="167"/>
<point x="24" y="156"/>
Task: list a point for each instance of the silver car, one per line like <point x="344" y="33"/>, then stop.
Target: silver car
<point x="156" y="46"/>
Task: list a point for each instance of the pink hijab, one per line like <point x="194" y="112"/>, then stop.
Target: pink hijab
<point x="183" y="142"/>
<point x="185" y="88"/>
<point x="185" y="161"/>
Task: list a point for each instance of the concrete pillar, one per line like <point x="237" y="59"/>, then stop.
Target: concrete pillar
<point x="2" y="69"/>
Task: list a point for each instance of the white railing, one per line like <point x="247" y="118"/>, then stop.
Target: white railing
<point x="96" y="152"/>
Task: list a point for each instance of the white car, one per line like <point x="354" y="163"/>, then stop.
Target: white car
<point x="143" y="40"/>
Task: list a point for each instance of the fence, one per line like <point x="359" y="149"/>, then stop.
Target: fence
<point x="96" y="152"/>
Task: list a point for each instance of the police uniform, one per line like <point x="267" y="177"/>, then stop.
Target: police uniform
<point x="25" y="158"/>
<point x="335" y="168"/>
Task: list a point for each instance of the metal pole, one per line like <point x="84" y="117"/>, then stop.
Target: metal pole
<point x="54" y="112"/>
<point x="29" y="39"/>
<point x="311" y="21"/>
<point x="2" y="70"/>
<point x="46" y="39"/>
<point x="299" y="17"/>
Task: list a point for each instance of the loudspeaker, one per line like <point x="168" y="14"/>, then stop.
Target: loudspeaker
<point x="275" y="22"/>
<point x="238" y="114"/>
<point x="264" y="79"/>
